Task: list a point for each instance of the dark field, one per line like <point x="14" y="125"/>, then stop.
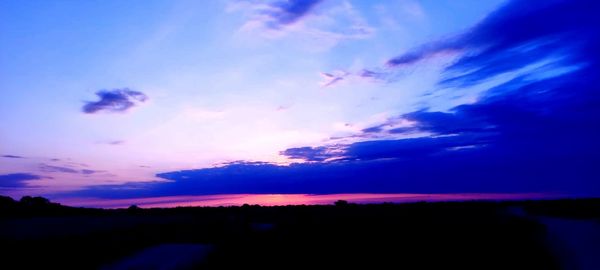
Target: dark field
<point x="560" y="234"/>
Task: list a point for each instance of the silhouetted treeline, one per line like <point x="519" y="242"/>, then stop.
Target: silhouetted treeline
<point x="29" y="206"/>
<point x="463" y="235"/>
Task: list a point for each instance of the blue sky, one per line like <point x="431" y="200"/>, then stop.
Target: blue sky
<point x="172" y="98"/>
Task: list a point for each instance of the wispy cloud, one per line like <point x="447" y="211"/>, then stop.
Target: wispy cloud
<point x="51" y="168"/>
<point x="114" y="142"/>
<point x="336" y="77"/>
<point x="511" y="38"/>
<point x="413" y="9"/>
<point x="276" y="14"/>
<point x="332" y="78"/>
<point x="11" y="156"/>
<point x="322" y="25"/>
<point x="287" y="12"/>
<point x="61" y="169"/>
<point x="116" y="100"/>
<point x="428" y="50"/>
<point x="494" y="47"/>
<point x="314" y="153"/>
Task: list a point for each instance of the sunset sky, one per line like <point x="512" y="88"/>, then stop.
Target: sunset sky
<point x="133" y="100"/>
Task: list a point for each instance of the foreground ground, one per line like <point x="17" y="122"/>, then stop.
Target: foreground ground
<point x="562" y="234"/>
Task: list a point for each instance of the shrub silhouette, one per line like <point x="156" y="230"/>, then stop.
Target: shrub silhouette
<point x="7" y="201"/>
<point x="341" y="203"/>
<point x="134" y="208"/>
<point x="35" y="201"/>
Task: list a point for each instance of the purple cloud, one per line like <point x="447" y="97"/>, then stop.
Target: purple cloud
<point x="115" y="142"/>
<point x="86" y="171"/>
<point x="116" y="100"/>
<point x="330" y="79"/>
<point x="513" y="37"/>
<point x="50" y="168"/>
<point x="60" y="169"/>
<point x="426" y="51"/>
<point x="313" y="153"/>
<point x="11" y="156"/>
<point x="287" y="12"/>
<point x="366" y="73"/>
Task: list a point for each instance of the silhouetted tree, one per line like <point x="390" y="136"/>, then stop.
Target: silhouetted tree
<point x="341" y="203"/>
<point x="34" y="201"/>
<point x="7" y="201"/>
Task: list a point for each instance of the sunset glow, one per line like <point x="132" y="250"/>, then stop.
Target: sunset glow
<point x="296" y="199"/>
<point x="159" y="102"/>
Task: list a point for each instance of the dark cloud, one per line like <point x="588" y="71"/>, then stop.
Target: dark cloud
<point x="454" y="122"/>
<point x="313" y="153"/>
<point x="116" y="100"/>
<point x="374" y="129"/>
<point x="426" y="51"/>
<point x="414" y="148"/>
<point x="401" y="130"/>
<point x="287" y="12"/>
<point x="11" y="156"/>
<point x="16" y="180"/>
<point x="535" y="133"/>
<point x="519" y="34"/>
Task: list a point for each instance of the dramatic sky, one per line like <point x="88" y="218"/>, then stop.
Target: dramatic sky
<point x="126" y="100"/>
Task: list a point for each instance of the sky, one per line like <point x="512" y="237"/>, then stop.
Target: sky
<point x="135" y="100"/>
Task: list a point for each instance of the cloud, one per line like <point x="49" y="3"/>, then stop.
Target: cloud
<point x="311" y="24"/>
<point x="514" y="36"/>
<point x="282" y="108"/>
<point x="283" y="13"/>
<point x="509" y="39"/>
<point x="313" y="153"/>
<point x="537" y="132"/>
<point x="436" y="123"/>
<point x="276" y="15"/>
<point x="116" y="100"/>
<point x="372" y="74"/>
<point x="426" y="51"/>
<point x="60" y="169"/>
<point x="332" y="78"/>
<point x="11" y="156"/>
<point x="50" y="168"/>
<point x="373" y="129"/>
<point x="87" y="171"/>
<point x="118" y="142"/>
<point x="16" y="180"/>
